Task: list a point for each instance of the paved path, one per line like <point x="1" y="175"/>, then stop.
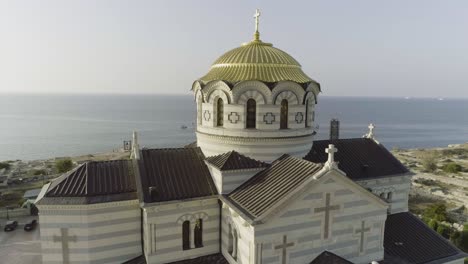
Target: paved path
<point x="19" y="246"/>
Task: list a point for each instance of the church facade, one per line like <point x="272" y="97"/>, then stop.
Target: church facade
<point x="254" y="188"/>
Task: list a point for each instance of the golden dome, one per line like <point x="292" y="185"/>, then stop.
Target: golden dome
<point x="256" y="60"/>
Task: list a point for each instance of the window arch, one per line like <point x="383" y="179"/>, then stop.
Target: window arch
<point x="230" y="241"/>
<point x="199" y="110"/>
<point x="251" y="113"/>
<point x="199" y="233"/>
<point x="284" y="114"/>
<point x="389" y="196"/>
<point x="220" y="112"/>
<point x="186" y="235"/>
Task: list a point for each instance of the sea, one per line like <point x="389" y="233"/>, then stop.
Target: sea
<point x="47" y="126"/>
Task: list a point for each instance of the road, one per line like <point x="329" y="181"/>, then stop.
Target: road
<point x="19" y="246"/>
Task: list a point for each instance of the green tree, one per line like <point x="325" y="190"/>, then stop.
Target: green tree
<point x="433" y="224"/>
<point x="444" y="230"/>
<point x="4" y="165"/>
<point x="436" y="212"/>
<point x="63" y="165"/>
<point x="460" y="239"/>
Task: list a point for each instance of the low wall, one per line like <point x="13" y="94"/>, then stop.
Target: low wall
<point x="18" y="212"/>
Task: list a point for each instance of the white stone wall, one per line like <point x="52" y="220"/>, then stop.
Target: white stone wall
<point x="304" y="227"/>
<point x="264" y="149"/>
<point x="245" y="250"/>
<point x="162" y="224"/>
<point x="98" y="233"/>
<point x="227" y="181"/>
<point x="397" y="186"/>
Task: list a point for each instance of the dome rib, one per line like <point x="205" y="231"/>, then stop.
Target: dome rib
<point x="256" y="60"/>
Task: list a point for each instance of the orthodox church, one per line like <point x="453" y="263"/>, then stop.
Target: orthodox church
<point x="254" y="188"/>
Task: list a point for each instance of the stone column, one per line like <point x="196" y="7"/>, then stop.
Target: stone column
<point x="192" y="235"/>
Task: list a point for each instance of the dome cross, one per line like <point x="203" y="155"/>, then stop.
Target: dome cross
<point x="257" y="19"/>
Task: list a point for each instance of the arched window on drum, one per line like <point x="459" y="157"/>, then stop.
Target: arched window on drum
<point x="251" y="113"/>
<point x="284" y="114"/>
<point x="219" y="112"/>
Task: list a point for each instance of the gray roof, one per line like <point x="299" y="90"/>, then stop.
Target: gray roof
<point x="233" y="160"/>
<point x="31" y="193"/>
<point x="266" y="188"/>
<point x="327" y="257"/>
<point x="359" y="158"/>
<point x="408" y="240"/>
<point x="93" y="182"/>
<point x="174" y="174"/>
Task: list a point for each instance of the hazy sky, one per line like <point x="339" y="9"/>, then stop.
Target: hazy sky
<point x="353" y="48"/>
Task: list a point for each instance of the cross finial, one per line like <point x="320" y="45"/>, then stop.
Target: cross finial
<point x="370" y="134"/>
<point x="257" y="19"/>
<point x="331" y="150"/>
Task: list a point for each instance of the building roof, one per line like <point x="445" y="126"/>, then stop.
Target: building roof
<point x="174" y="174"/>
<point x="408" y="240"/>
<point x="359" y="158"/>
<point x="94" y="182"/>
<point x="327" y="257"/>
<point x="256" y="60"/>
<point x="233" y="160"/>
<point x="209" y="259"/>
<point x="29" y="194"/>
<point x="255" y="196"/>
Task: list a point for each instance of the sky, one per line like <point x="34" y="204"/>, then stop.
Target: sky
<point x="392" y="48"/>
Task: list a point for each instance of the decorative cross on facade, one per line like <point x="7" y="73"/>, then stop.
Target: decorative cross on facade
<point x="233" y="117"/>
<point x="65" y="239"/>
<point x="327" y="209"/>
<point x="283" y="248"/>
<point x="206" y="115"/>
<point x="299" y="117"/>
<point x="361" y="231"/>
<point x="269" y="118"/>
<point x="331" y="150"/>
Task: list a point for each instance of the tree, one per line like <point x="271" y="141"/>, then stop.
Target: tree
<point x="460" y="239"/>
<point x="433" y="224"/>
<point x="63" y="165"/>
<point x="4" y="165"/>
<point x="429" y="162"/>
<point x="444" y="230"/>
<point x="437" y="212"/>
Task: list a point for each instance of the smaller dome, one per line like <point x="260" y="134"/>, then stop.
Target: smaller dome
<point x="256" y="60"/>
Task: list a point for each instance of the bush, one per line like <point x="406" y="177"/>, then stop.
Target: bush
<point x="4" y="165"/>
<point x="63" y="165"/>
<point x="444" y="230"/>
<point x="460" y="239"/>
<point x="39" y="172"/>
<point x="433" y="224"/>
<point x="452" y="167"/>
<point x="437" y="212"/>
<point x="429" y="162"/>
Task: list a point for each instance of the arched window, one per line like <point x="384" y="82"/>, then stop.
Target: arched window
<point x="382" y="195"/>
<point x="186" y="235"/>
<point x="389" y="196"/>
<point x="230" y="241"/>
<point x="220" y="112"/>
<point x="199" y="110"/>
<point x="235" y="245"/>
<point x="199" y="233"/>
<point x="307" y="122"/>
<point x="284" y="114"/>
<point x="251" y="113"/>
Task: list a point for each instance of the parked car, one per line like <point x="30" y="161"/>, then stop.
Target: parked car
<point x="10" y="226"/>
<point x="31" y="225"/>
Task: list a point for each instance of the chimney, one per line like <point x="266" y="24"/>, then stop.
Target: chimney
<point x="334" y="129"/>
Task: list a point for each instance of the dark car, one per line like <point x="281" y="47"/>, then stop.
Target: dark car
<point x="10" y="226"/>
<point x="30" y="226"/>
